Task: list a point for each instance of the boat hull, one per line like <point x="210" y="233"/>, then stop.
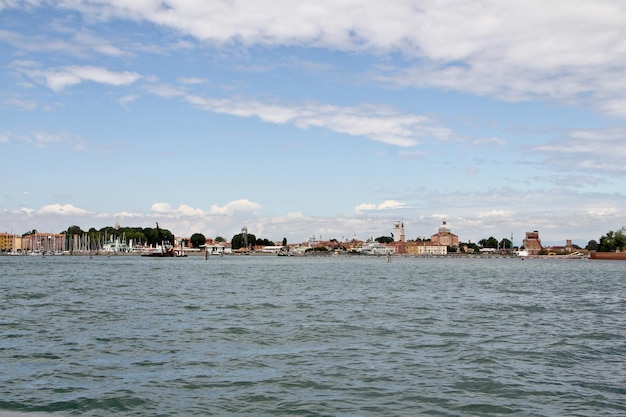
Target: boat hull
<point x="160" y="255"/>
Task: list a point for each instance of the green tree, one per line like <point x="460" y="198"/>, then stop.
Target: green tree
<point x="264" y="242"/>
<point x="70" y="233"/>
<point x="384" y="239"/>
<point x="492" y="242"/>
<point x="613" y="241"/>
<point x="592" y="245"/>
<point x="237" y="242"/>
<point x="197" y="240"/>
<point x="220" y="239"/>
<point x="74" y="230"/>
<point x="284" y="241"/>
<point x="167" y="236"/>
<point x="94" y="238"/>
<point x="152" y="236"/>
<point x="505" y="244"/>
<point x="157" y="236"/>
<point x="135" y="233"/>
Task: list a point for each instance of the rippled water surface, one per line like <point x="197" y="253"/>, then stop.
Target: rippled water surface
<point x="272" y="336"/>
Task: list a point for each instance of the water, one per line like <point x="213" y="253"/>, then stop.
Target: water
<point x="272" y="336"/>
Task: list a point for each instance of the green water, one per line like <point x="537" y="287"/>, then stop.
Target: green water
<point x="284" y="336"/>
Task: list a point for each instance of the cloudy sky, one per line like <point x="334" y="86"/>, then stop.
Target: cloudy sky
<point x="328" y="118"/>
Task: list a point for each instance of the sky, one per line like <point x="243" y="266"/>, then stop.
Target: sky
<point x="328" y="118"/>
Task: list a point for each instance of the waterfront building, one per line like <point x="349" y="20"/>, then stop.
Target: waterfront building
<point x="532" y="243"/>
<point x="444" y="236"/>
<point x="425" y="248"/>
<point x="568" y="248"/>
<point x="10" y="242"/>
<point x="215" y="248"/>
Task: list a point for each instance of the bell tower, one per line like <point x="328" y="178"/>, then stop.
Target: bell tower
<point x="398" y="232"/>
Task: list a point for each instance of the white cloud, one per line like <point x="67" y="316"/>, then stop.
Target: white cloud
<point x="595" y="150"/>
<point x="343" y="24"/>
<point x="161" y="208"/>
<point x="391" y="204"/>
<point x="365" y="207"/>
<point x="63" y="210"/>
<point x="186" y="210"/>
<point x="558" y="215"/>
<point x="165" y="91"/>
<point x="127" y="214"/>
<point x="564" y="50"/>
<point x="571" y="54"/>
<point x="60" y="78"/>
<point x="385" y="205"/>
<point x="164" y="209"/>
<point x="238" y="206"/>
<point x="378" y="123"/>
<point x="494" y="213"/>
<point x="602" y="211"/>
<point x="61" y="40"/>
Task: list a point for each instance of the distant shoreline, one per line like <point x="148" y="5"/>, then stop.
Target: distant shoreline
<point x="603" y="256"/>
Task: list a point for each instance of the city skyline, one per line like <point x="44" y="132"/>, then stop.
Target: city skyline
<point x="300" y="119"/>
<point x="444" y="227"/>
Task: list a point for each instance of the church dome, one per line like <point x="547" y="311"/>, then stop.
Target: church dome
<point x="444" y="228"/>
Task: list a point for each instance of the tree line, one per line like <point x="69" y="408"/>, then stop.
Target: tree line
<point x="143" y="235"/>
<point x="153" y="236"/>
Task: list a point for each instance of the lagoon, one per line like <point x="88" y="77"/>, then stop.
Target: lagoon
<point x="312" y="336"/>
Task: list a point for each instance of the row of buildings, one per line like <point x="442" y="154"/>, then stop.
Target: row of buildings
<point x="437" y="244"/>
<point x="57" y="242"/>
<point x="36" y="242"/>
<point x="444" y="238"/>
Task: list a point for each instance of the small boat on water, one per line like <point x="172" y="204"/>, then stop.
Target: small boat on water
<point x="167" y="253"/>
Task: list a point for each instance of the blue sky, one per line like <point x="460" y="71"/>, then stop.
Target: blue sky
<point x="325" y="118"/>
